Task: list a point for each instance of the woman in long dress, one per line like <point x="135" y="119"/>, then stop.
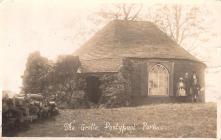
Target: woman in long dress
<point x="181" y="87"/>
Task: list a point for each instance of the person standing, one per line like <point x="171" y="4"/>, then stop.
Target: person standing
<point x="187" y="83"/>
<point x="181" y="87"/>
<point x="195" y="87"/>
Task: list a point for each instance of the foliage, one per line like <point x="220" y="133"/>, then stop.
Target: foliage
<point x="66" y="67"/>
<point x="64" y="77"/>
<point x="116" y="88"/>
<point x="35" y="78"/>
<point x="51" y="79"/>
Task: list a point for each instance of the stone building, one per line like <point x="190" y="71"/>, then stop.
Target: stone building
<point x="131" y="62"/>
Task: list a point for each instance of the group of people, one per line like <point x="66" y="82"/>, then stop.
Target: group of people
<point x="189" y="86"/>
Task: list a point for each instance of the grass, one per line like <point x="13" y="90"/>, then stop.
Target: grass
<point x="162" y="120"/>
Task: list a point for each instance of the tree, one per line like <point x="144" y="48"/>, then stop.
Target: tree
<point x="64" y="75"/>
<point x="66" y="67"/>
<point x="35" y="78"/>
<point x="185" y="24"/>
<point x="121" y="11"/>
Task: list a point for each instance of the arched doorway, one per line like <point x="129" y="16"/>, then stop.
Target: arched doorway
<point x="158" y="82"/>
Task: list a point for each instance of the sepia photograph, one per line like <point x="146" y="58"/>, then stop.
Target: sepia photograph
<point x="95" y="68"/>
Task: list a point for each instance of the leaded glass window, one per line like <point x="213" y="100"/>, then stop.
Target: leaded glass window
<point x="158" y="80"/>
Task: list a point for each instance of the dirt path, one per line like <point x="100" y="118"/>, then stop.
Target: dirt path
<point x="166" y="120"/>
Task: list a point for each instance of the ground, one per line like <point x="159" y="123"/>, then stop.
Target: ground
<point x="160" y="120"/>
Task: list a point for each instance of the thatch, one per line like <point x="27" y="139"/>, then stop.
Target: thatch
<point x="100" y="65"/>
<point x="137" y="39"/>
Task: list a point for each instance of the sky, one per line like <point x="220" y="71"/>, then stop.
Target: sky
<point x="58" y="27"/>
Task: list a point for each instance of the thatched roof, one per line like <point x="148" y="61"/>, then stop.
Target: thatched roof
<point x="100" y="65"/>
<point x="137" y="39"/>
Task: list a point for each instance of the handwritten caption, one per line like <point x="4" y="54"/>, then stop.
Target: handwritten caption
<point x="108" y="126"/>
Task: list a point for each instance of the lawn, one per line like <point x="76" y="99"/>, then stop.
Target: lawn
<point x="160" y="120"/>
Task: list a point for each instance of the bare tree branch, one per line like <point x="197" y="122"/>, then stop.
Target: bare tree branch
<point x="180" y="22"/>
<point x="137" y="13"/>
<point x="122" y="11"/>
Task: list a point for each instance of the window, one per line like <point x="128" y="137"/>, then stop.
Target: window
<point x="158" y="81"/>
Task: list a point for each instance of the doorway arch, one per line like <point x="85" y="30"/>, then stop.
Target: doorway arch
<point x="158" y="81"/>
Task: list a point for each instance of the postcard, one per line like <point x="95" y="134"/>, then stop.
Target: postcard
<point x="110" y="69"/>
